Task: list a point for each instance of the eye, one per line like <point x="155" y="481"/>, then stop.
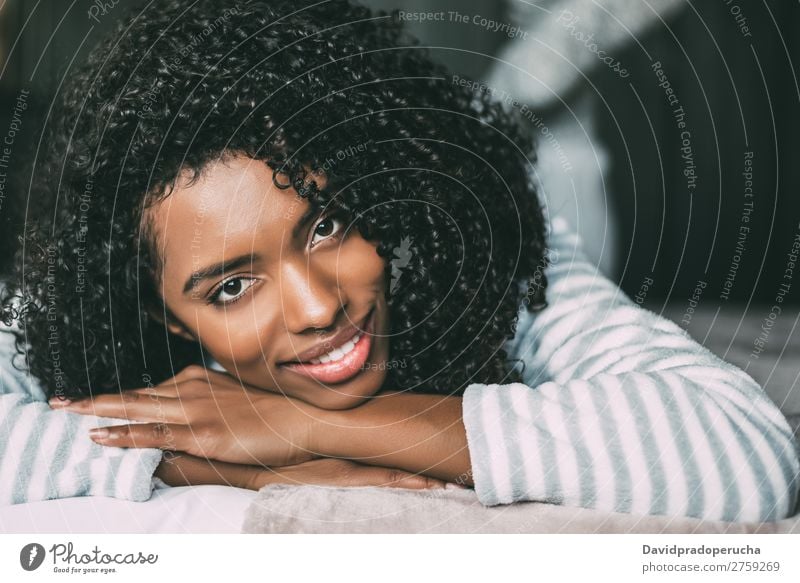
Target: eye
<point x="231" y="290"/>
<point x="328" y="227"/>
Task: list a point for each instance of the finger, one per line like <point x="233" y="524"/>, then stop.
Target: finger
<point x="166" y="436"/>
<point x="400" y="479"/>
<point x="191" y="372"/>
<point x="132" y="405"/>
<point x="196" y="372"/>
<point x="182" y="469"/>
<point x="387" y="477"/>
<point x="158" y="391"/>
<point x="188" y="381"/>
<point x="194" y="381"/>
<point x="337" y="472"/>
<point x="177" y="387"/>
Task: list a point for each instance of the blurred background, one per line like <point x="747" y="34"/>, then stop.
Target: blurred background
<point x="668" y="137"/>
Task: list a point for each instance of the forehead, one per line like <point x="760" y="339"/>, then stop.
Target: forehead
<point x="229" y="207"/>
<point x="227" y="195"/>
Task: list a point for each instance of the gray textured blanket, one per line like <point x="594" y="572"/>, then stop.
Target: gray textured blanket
<point x="316" y="509"/>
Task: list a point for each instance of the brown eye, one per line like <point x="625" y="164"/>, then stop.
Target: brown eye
<point x="232" y="290"/>
<point x="327" y="227"/>
<point x="232" y="287"/>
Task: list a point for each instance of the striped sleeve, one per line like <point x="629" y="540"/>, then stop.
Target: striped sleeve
<point x="47" y="454"/>
<point x="622" y="411"/>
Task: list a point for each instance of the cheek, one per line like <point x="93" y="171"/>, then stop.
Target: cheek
<point x="359" y="264"/>
<point x="238" y="336"/>
<point x="233" y="337"/>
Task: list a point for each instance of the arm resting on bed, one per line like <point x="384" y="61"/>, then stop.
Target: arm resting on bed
<point x="622" y="410"/>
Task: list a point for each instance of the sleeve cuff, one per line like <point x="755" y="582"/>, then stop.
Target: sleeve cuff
<point x="480" y="430"/>
<point x="146" y="481"/>
<point x="129" y="473"/>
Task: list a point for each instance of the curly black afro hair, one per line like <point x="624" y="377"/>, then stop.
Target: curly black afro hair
<point x="446" y="176"/>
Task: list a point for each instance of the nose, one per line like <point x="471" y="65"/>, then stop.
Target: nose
<point x="310" y="297"/>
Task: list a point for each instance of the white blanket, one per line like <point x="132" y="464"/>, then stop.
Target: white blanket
<point x="197" y="509"/>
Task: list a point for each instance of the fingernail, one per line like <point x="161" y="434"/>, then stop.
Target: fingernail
<point x="99" y="433"/>
<point x="59" y="402"/>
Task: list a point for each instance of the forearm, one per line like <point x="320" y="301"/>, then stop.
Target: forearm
<point x="416" y="433"/>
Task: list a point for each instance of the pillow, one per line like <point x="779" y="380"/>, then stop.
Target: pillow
<point x="284" y="508"/>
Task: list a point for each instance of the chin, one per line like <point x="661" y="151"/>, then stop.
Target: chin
<point x="369" y="364"/>
<point x="347" y="395"/>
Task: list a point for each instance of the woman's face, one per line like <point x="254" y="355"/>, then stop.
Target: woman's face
<point x="264" y="287"/>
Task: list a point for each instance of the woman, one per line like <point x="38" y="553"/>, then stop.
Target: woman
<point x="294" y="194"/>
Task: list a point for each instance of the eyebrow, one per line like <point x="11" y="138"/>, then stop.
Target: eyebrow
<point x="218" y="269"/>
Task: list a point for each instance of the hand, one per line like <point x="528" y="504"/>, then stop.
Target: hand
<point x="185" y="470"/>
<point x="336" y="472"/>
<point x="208" y="414"/>
<point x="182" y="469"/>
<point x="212" y="415"/>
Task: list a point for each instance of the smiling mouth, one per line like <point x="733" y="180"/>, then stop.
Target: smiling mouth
<point x="336" y="347"/>
<point x="341" y="363"/>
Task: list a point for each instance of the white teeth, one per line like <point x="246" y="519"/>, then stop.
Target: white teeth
<point x="337" y="353"/>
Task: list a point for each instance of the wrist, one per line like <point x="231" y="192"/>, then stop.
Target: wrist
<point x="330" y="430"/>
<point x="364" y="432"/>
<point x="413" y="432"/>
<point x="327" y="431"/>
<point x="351" y="433"/>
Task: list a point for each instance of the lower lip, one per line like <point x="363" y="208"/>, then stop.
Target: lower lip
<point x="346" y="367"/>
